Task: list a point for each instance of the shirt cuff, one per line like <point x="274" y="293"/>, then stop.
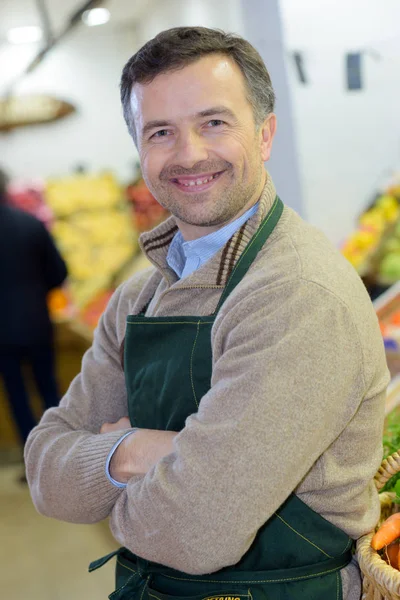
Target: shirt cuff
<point x="117" y="484"/>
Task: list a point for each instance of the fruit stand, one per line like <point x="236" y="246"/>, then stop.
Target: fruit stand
<point x="95" y="223"/>
<point x="374" y="247"/>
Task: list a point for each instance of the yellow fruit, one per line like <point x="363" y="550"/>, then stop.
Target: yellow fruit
<point x="373" y="218"/>
<point x="389" y="207"/>
<point x="364" y="239"/>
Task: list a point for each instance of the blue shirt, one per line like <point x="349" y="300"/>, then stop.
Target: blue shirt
<point x="185" y="258"/>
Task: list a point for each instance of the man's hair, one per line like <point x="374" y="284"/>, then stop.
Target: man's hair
<point x="4" y="180"/>
<point x="179" y="47"/>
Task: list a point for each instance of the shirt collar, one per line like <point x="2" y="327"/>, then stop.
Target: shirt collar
<point x="200" y="250"/>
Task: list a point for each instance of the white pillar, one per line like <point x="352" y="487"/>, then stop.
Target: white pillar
<point x="262" y="27"/>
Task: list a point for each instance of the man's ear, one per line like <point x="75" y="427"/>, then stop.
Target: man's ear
<point x="267" y="133"/>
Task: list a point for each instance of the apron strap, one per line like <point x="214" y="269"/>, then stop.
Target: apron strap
<point x="126" y="568"/>
<point x="252" y="249"/>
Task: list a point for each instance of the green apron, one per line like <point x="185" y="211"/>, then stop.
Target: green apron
<point x="296" y="554"/>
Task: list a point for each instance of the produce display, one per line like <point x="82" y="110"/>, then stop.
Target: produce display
<point x="95" y="223"/>
<point x="93" y="230"/>
<point x="30" y="198"/>
<point x="386" y="540"/>
<point x="374" y="248"/>
<point x="376" y="226"/>
<point x="92" y="312"/>
<point x="147" y="212"/>
<point x="387" y="308"/>
<point x="69" y="195"/>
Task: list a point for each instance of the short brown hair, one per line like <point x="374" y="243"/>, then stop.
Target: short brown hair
<point x="178" y="47"/>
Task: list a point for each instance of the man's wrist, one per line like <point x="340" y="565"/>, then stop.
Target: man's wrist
<point x="117" y="479"/>
<point x="137" y="454"/>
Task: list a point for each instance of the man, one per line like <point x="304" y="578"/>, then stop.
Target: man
<point x="253" y="370"/>
<point x="30" y="266"/>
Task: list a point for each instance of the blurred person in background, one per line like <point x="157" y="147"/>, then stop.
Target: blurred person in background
<point x="30" y="266"/>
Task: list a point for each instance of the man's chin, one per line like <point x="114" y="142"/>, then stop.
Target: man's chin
<point x="202" y="221"/>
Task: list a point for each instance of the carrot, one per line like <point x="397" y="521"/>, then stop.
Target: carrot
<point x="387" y="532"/>
<point x="391" y="554"/>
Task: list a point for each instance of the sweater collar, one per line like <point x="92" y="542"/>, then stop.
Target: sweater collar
<point x="216" y="271"/>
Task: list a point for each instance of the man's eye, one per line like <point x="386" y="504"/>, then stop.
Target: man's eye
<point x="161" y="133"/>
<point x="215" y="122"/>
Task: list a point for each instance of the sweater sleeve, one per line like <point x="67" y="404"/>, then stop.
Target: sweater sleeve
<point x="65" y="454"/>
<point x="287" y="378"/>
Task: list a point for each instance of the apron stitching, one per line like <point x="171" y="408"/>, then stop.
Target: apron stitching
<point x="248" y="595"/>
<point x="253" y="241"/>
<point x="256" y="236"/>
<point x="262" y="580"/>
<point x="191" y="363"/>
<point x="144" y="587"/>
<point x="303" y="537"/>
<point x="121" y="588"/>
<point x="124" y="566"/>
<point x="347" y="545"/>
<point x="337" y="586"/>
<point x="170" y="323"/>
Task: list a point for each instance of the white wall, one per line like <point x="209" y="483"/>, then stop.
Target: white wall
<point x="225" y="14"/>
<point x="262" y="26"/>
<point x="347" y="141"/>
<point x="85" y="70"/>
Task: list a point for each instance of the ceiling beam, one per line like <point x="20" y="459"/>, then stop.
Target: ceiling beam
<point x="52" y="41"/>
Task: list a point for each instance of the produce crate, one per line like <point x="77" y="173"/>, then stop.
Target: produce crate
<point x="380" y="581"/>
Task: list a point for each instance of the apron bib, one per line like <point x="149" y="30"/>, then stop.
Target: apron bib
<point x="297" y="554"/>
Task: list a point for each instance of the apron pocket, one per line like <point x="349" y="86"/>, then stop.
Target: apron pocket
<point x="230" y="595"/>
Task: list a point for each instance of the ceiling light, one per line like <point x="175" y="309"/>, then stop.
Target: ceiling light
<point x="96" y="16"/>
<point x="24" y="35"/>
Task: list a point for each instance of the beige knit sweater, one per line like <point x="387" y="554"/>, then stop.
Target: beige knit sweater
<point x="296" y="404"/>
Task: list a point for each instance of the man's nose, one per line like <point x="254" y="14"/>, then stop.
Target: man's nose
<point x="191" y="148"/>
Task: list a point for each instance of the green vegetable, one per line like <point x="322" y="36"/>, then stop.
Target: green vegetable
<point x="391" y="444"/>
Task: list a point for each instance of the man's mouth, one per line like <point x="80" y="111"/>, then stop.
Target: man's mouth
<point x="196" y="182"/>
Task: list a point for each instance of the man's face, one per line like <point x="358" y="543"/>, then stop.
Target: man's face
<point x="200" y="153"/>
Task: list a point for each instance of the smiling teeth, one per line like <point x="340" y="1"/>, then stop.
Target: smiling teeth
<point x="198" y="181"/>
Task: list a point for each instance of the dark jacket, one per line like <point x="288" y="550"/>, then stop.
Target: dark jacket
<point x="30" y="266"/>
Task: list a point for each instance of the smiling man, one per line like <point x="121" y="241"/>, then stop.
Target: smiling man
<point x="210" y="126"/>
<point x="240" y="432"/>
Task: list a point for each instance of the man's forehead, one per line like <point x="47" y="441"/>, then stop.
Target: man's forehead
<point x="200" y="83"/>
<point x="218" y="67"/>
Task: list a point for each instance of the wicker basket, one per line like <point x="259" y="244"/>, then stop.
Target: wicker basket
<point x="380" y="580"/>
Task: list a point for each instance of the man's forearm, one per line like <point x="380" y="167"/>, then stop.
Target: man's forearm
<point x="139" y="452"/>
<point x="65" y="471"/>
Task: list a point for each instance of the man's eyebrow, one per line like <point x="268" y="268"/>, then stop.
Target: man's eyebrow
<point x="216" y="110"/>
<point x="209" y="112"/>
<point x="153" y="125"/>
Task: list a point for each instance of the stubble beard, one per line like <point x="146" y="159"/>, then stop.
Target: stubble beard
<point x="230" y="200"/>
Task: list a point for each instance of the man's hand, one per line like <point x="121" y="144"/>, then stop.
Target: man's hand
<point x="138" y="452"/>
